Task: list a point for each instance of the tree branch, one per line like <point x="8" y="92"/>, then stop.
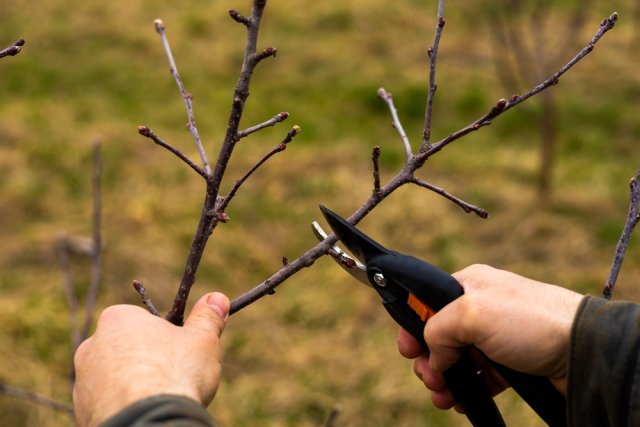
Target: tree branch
<point x="145" y="131"/>
<point x="240" y="94"/>
<point x="188" y="99"/>
<point x="65" y="266"/>
<point x="280" y="117"/>
<point x="433" y="56"/>
<point x="388" y="98"/>
<point x="633" y="217"/>
<point x="467" y="207"/>
<point x="36" y="398"/>
<point x="96" y="254"/>
<point x="375" y="158"/>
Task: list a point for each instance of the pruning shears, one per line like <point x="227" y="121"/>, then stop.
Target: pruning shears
<point x="412" y="291"/>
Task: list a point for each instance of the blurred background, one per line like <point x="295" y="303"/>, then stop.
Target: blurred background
<point x="96" y="70"/>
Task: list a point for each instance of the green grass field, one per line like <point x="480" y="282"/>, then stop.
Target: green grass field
<point x="96" y="70"/>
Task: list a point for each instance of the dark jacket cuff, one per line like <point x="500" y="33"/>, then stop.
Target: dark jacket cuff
<point x="163" y="410"/>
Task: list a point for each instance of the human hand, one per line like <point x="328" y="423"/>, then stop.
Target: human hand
<point x="515" y="321"/>
<point x="134" y="355"/>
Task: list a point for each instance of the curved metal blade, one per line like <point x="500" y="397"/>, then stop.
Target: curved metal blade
<point x="359" y="244"/>
<point x="350" y="265"/>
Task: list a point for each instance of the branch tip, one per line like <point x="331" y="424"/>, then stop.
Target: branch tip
<point x="482" y="213"/>
<point x="295" y="130"/>
<point x="270" y="51"/>
<point x="610" y="21"/>
<point x="13" y="49"/>
<point x="159" y="26"/>
<point x="383" y="94"/>
<point x="145" y="131"/>
<point x="137" y="285"/>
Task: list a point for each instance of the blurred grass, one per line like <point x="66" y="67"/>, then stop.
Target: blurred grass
<point x="97" y="70"/>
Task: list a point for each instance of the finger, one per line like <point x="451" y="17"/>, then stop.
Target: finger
<point x="433" y="380"/>
<point x="209" y="313"/>
<point x="443" y="399"/>
<point x="408" y="345"/>
<point x="445" y="335"/>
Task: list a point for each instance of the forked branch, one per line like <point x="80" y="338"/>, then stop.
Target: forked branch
<point x="215" y="204"/>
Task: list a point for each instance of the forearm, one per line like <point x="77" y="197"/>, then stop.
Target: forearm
<point x="604" y="374"/>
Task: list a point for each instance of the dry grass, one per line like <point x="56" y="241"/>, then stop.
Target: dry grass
<point x="322" y="341"/>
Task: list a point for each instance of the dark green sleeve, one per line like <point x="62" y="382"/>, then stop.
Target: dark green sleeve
<point x="604" y="374"/>
<point x="165" y="411"/>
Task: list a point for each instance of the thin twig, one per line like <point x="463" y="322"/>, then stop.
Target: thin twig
<point x="65" y="266"/>
<point x="433" y="57"/>
<point x="36" y="398"/>
<point x="145" y="131"/>
<point x="280" y="117"/>
<point x="388" y="98"/>
<point x="96" y="255"/>
<point x="62" y="248"/>
<point x="137" y="285"/>
<point x="467" y="207"/>
<point x="188" y="99"/>
<point x="13" y="49"/>
<point x="633" y="217"/>
<point x="375" y="158"/>
<point x="605" y="25"/>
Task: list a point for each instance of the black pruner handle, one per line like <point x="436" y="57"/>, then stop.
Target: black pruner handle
<point x="429" y="283"/>
<point x="471" y="394"/>
<point x="465" y="385"/>
<point x="539" y="394"/>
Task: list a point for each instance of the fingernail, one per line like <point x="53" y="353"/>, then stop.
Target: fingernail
<point x="220" y="303"/>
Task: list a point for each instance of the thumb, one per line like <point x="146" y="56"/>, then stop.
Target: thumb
<point x="210" y="313"/>
<point x="443" y="336"/>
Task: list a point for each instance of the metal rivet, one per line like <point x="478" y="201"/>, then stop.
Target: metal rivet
<point x="379" y="279"/>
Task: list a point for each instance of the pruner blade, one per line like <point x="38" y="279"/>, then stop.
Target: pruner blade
<point x="349" y="264"/>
